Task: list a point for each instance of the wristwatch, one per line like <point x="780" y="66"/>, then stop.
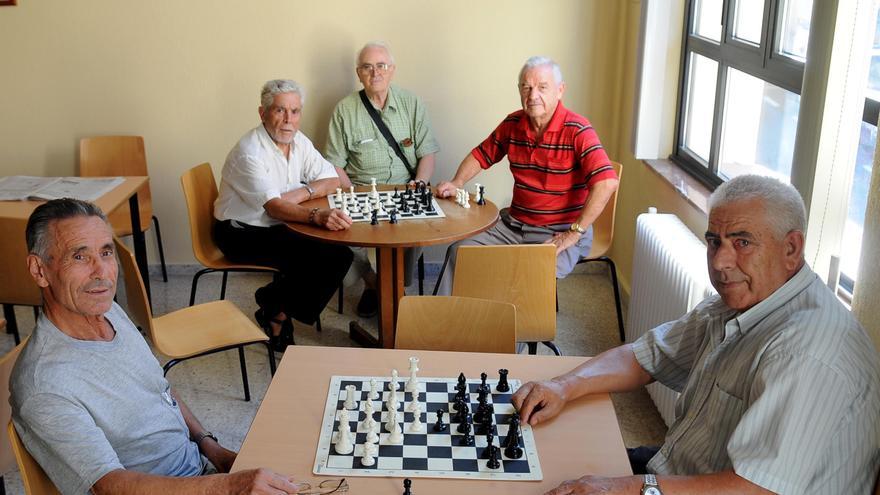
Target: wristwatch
<point x="309" y="189"/>
<point x="575" y="227"/>
<point x="650" y="487"/>
<point x="203" y="435"/>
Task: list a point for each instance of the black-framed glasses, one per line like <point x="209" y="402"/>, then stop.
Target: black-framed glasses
<point x="380" y="67"/>
<point x="325" y="487"/>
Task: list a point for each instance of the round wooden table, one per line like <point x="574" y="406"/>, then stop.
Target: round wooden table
<point x="390" y="241"/>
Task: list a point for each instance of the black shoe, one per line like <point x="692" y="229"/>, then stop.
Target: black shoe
<point x="369" y="304"/>
<point x="281" y="341"/>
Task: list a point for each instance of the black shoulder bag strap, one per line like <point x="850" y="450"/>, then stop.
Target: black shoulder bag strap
<point x="385" y="132"/>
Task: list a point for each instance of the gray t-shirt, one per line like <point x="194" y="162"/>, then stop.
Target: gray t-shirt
<point x="85" y="408"/>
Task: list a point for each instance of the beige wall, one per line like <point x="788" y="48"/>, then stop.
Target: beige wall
<point x="186" y="76"/>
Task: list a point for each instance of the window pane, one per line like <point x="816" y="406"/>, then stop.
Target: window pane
<point x="747" y="19"/>
<point x="851" y="247"/>
<point x="758" y="131"/>
<point x="700" y="104"/>
<point x="874" y="74"/>
<point x="795" y="28"/>
<point x="707" y="19"/>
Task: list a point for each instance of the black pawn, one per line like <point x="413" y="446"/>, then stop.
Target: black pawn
<point x="481" y="200"/>
<point x="430" y="204"/>
<point x="511" y="443"/>
<point x="483" y="385"/>
<point x="393" y="217"/>
<point x="502" y="386"/>
<point x="407" y="484"/>
<point x="467" y="439"/>
<point x="466" y="424"/>
<point x="374" y="218"/>
<point x="486" y="420"/>
<point x="493" y="462"/>
<point x="490" y="446"/>
<point x="440" y="425"/>
<point x="463" y="412"/>
<point x="395" y="195"/>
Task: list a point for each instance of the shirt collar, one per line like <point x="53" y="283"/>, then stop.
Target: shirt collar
<point x="268" y="143"/>
<point x="555" y="124"/>
<point x="391" y="102"/>
<point x="781" y="296"/>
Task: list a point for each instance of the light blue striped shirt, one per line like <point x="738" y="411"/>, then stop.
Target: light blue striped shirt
<point x="785" y="394"/>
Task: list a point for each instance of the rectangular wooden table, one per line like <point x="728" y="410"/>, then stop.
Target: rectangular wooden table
<point x="17" y="287"/>
<point x="583" y="439"/>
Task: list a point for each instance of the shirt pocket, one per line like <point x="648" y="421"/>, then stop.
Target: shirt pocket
<point x="368" y="151"/>
<point x="723" y="414"/>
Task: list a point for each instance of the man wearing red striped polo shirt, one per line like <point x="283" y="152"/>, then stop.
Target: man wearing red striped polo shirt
<point x="562" y="176"/>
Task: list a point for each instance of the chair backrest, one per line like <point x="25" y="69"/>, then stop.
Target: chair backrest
<point x="35" y="480"/>
<point x="7" y="362"/>
<point x="451" y="323"/>
<point x="200" y="192"/>
<point x="137" y="304"/>
<point x="118" y="156"/>
<point x="603" y="227"/>
<point x="523" y="275"/>
<point x="17" y="286"/>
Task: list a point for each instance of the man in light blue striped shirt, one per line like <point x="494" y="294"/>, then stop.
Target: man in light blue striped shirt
<point x="780" y="385"/>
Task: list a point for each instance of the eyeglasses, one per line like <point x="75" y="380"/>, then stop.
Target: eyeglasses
<point x="380" y="67"/>
<point x="325" y="487"/>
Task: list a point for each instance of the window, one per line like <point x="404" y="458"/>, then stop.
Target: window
<point x="851" y="246"/>
<point x="740" y="85"/>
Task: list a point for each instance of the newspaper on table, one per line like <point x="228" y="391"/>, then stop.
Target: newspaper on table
<point x="25" y="187"/>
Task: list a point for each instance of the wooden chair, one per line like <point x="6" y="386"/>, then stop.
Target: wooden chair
<point x="192" y="331"/>
<point x="123" y="156"/>
<point x="603" y="235"/>
<point x="200" y="191"/>
<point x="35" y="480"/>
<point x="17" y="287"/>
<point x="523" y="275"/>
<point x="451" y="323"/>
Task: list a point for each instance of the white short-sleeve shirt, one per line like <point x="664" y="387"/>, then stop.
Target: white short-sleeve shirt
<point x="256" y="171"/>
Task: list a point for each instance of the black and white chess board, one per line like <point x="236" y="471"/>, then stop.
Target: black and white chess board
<point x="365" y="206"/>
<point x="428" y="454"/>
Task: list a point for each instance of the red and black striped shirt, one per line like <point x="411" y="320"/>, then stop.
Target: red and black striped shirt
<point x="552" y="177"/>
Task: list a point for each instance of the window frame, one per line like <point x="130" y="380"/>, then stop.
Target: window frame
<point x="764" y="61"/>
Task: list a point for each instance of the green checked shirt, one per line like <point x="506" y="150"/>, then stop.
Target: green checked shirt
<point x="356" y="145"/>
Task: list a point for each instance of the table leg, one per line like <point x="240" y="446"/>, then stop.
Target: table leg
<point x="389" y="281"/>
<point x="140" y="246"/>
<point x="11" y="323"/>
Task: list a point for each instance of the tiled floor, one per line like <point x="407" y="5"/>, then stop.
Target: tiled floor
<point x="211" y="385"/>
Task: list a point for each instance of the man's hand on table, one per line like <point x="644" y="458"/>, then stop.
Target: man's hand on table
<point x="446" y="189"/>
<point x="596" y="484"/>
<point x="332" y="219"/>
<point x="564" y="240"/>
<point x="539" y="401"/>
<point x="262" y="482"/>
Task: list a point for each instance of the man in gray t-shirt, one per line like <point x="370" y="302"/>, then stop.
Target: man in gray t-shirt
<point x="89" y="399"/>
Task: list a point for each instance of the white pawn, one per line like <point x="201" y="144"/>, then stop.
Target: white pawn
<point x="465" y="198"/>
<point x="368" y="459"/>
<point x="369" y="423"/>
<point x="351" y="191"/>
<point x="392" y="401"/>
<point x="392" y="421"/>
<point x="338" y="194"/>
<point x="350" y="403"/>
<point x="393" y="385"/>
<point x="414" y="406"/>
<point x="396" y="436"/>
<point x="372" y="436"/>
<point x="344" y="445"/>
<point x="373" y="192"/>
<point x="373" y="385"/>
<point x="416" y="426"/>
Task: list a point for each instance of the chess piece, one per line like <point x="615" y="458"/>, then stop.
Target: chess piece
<point x="412" y="385"/>
<point x="502" y="386"/>
<point x="338" y="194"/>
<point x="490" y="446"/>
<point x="407" y="484"/>
<point x="416" y="426"/>
<point x="396" y="195"/>
<point x="430" y="203"/>
<point x="373" y="395"/>
<point x="392" y="420"/>
<point x="466" y="423"/>
<point x="389" y="203"/>
<point x="350" y="403"/>
<point x="511" y="443"/>
<point x="344" y="443"/>
<point x="481" y="200"/>
<point x="374" y="217"/>
<point x="486" y="421"/>
<point x="483" y="385"/>
<point x="351" y="191"/>
<point x="392" y="402"/>
<point x="440" y="425"/>
<point x="369" y="423"/>
<point x="404" y="206"/>
<point x="373" y="192"/>
<point x="493" y="462"/>
<point x="396" y="435"/>
<point x="466" y="439"/>
<point x="393" y="217"/>
<point x="372" y="436"/>
<point x="393" y="385"/>
<point x="369" y="451"/>
<point x="414" y="405"/>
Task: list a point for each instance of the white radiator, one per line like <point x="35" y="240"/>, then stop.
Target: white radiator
<point x="669" y="278"/>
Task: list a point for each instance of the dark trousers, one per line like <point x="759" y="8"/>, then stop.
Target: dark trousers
<point x="310" y="271"/>
<point x="639" y="457"/>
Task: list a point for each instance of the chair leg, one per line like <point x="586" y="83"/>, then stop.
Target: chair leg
<point x="442" y="271"/>
<point x="271" y="358"/>
<point x="161" y="249"/>
<point x="244" y="378"/>
<point x="552" y="346"/>
<point x="170" y="364"/>
<point x="11" y="324"/>
<point x="557" y="296"/>
<point x="421" y="268"/>
<point x="223" y="285"/>
<point x="533" y="347"/>
<point x="2" y="486"/>
<point x="195" y="284"/>
<point x="339" y="304"/>
<point x="613" y="269"/>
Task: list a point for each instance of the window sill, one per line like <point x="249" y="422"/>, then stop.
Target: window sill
<point x="689" y="188"/>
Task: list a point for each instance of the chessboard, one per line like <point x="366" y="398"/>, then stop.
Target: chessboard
<point x="429" y="454"/>
<point x="406" y="206"/>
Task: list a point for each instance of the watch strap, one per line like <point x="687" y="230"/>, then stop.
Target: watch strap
<point x="203" y="435"/>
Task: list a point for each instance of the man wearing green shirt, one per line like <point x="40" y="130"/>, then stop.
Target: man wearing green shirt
<point x="360" y="151"/>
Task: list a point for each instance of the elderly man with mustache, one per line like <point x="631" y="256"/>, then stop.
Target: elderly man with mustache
<point x="780" y="385"/>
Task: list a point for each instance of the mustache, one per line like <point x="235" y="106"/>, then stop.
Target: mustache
<point x="99" y="284"/>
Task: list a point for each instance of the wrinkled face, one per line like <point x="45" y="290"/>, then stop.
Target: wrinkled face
<point x="539" y="93"/>
<point x="281" y="119"/>
<point x="747" y="261"/>
<point x="79" y="276"/>
<point x="375" y="70"/>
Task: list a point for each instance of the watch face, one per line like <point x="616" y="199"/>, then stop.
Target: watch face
<point x="651" y="490"/>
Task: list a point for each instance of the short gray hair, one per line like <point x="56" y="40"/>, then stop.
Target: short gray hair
<point x="375" y="44"/>
<point x="37" y="231"/>
<point x="784" y="207"/>
<point x="279" y="86"/>
<point x="541" y="61"/>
